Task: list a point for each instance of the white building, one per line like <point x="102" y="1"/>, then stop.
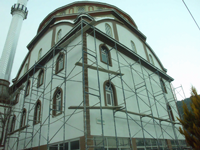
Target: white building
<point x="89" y="75"/>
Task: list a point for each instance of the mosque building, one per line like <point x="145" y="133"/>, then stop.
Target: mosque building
<point x="88" y="81"/>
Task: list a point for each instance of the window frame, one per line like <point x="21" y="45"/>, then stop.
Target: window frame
<point x="90" y="7"/>
<point x="40" y="75"/>
<point x="40" y="54"/>
<point x="23" y="118"/>
<point x="12" y="126"/>
<point x="25" y="68"/>
<point x="70" y="10"/>
<point x="133" y="45"/>
<point x="107" y="25"/>
<point x="28" y="88"/>
<point x="36" y="113"/>
<point x="170" y="112"/>
<point x="114" y="96"/>
<point x="54" y="102"/>
<point x="57" y="63"/>
<point x="59" y="35"/>
<point x="109" y="55"/>
<point x="151" y="59"/>
<point x="163" y="86"/>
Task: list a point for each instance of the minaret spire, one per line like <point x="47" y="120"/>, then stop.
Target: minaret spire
<point x="19" y="13"/>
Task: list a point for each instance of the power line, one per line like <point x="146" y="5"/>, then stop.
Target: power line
<point x="191" y="14"/>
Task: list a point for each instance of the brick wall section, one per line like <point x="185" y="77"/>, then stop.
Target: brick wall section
<point x="89" y="141"/>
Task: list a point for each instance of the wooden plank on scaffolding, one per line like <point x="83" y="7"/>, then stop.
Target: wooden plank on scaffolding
<point x="95" y="107"/>
<point x="145" y="115"/>
<point x="19" y="129"/>
<point x="100" y="69"/>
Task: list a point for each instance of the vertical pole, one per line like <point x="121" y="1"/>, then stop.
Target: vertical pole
<point x="41" y="113"/>
<point x="131" y="145"/>
<point x="28" y="111"/>
<point x="65" y="93"/>
<point x="166" y="101"/>
<point x="156" y="106"/>
<point x="84" y="92"/>
<point x="149" y="103"/>
<point x="17" y="148"/>
<point x="52" y="71"/>
<point x="101" y="113"/>
<point x="138" y="106"/>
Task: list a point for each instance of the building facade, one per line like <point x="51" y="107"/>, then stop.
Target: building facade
<point x="90" y="81"/>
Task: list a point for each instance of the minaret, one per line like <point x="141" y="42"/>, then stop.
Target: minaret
<point x="19" y="13"/>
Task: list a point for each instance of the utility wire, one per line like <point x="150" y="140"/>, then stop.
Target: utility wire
<point x="191" y="14"/>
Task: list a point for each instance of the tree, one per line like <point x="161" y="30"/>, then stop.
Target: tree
<point x="191" y="121"/>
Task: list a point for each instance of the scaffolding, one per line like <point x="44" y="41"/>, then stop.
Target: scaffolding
<point x="145" y="89"/>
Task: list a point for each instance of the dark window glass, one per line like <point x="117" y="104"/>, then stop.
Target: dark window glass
<point x="66" y="146"/>
<point x="74" y="145"/>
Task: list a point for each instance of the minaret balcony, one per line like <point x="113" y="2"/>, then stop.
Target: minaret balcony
<point x="21" y="8"/>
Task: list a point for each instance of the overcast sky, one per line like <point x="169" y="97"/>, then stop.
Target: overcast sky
<point x="167" y="24"/>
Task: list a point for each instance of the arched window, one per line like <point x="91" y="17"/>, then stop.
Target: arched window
<point x="40" y="78"/>
<point x="110" y="94"/>
<point x="151" y="59"/>
<point x="59" y="35"/>
<point x="133" y="46"/>
<point x="27" y="88"/>
<point x="163" y="86"/>
<point x="71" y="10"/>
<point x="81" y="9"/>
<point x="12" y="127"/>
<point x="23" y="120"/>
<point x="57" y="102"/>
<point x="25" y="68"/>
<point x="90" y="8"/>
<point x="105" y="55"/>
<point x="37" y="112"/>
<point x="40" y="54"/>
<point x="170" y="113"/>
<point x="60" y="63"/>
<point x="108" y="29"/>
<point x="17" y="98"/>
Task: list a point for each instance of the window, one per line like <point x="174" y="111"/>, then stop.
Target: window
<point x="12" y="127"/>
<point x="71" y="10"/>
<point x="59" y="35"/>
<point x="40" y="78"/>
<point x="151" y="59"/>
<point x="39" y="54"/>
<point x="37" y="112"/>
<point x="27" y="88"/>
<point x="133" y="47"/>
<point x="23" y="120"/>
<point x="105" y="55"/>
<point x="110" y="94"/>
<point x="170" y="113"/>
<point x="17" y="98"/>
<point x="81" y="9"/>
<point x="163" y="86"/>
<point x="90" y="8"/>
<point x="25" y="68"/>
<point x="108" y="29"/>
<point x="57" y="102"/>
<point x="60" y="63"/>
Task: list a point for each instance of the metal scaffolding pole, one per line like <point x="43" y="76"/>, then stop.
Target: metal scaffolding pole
<point x="25" y="91"/>
<point x="124" y="97"/>
<point x="50" y="101"/>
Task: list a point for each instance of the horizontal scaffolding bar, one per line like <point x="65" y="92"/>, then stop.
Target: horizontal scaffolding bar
<point x="19" y="129"/>
<point x="100" y="69"/>
<point x="147" y="115"/>
<point x="95" y="107"/>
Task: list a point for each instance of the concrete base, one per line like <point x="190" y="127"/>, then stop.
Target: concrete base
<point x="4" y="91"/>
